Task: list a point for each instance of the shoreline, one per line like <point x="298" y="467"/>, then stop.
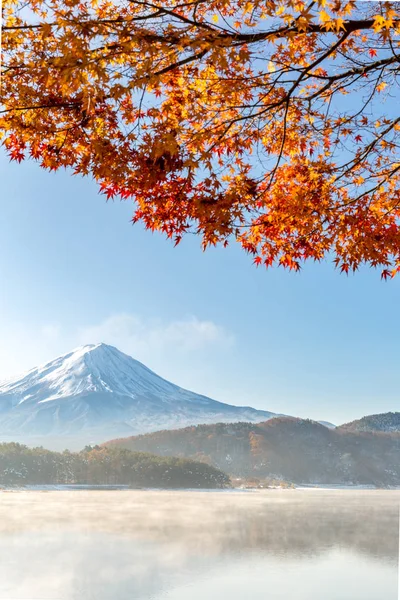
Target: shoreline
<point x="126" y="488"/>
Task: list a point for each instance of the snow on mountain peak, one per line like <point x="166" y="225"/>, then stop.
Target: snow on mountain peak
<point x="86" y="369"/>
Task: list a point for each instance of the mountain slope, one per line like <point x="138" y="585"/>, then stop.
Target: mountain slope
<point x="297" y="450"/>
<point x="327" y="424"/>
<point x="387" y="422"/>
<point x="97" y="392"/>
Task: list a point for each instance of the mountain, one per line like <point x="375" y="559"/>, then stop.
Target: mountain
<point x="96" y="392"/>
<point x="327" y="424"/>
<point x="386" y="422"/>
<point x="297" y="450"/>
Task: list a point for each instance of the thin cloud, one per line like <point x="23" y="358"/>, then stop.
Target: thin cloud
<point x="181" y="349"/>
<point x="143" y="337"/>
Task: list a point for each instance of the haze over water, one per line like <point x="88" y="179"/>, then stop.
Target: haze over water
<point x="161" y="545"/>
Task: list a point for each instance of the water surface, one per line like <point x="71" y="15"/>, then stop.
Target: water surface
<point x="159" y="545"/>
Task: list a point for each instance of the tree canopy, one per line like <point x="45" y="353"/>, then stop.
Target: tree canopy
<point x="269" y="122"/>
<point x="20" y="465"/>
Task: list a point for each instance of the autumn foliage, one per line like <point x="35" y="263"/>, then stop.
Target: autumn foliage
<point x="272" y="123"/>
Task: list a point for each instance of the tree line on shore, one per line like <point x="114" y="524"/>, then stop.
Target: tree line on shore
<point x="283" y="448"/>
<point x="20" y="465"/>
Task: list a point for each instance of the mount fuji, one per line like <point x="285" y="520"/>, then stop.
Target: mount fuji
<point x="97" y="392"/>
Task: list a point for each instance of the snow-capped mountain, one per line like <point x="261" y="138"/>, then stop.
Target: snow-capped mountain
<point x="96" y="392"/>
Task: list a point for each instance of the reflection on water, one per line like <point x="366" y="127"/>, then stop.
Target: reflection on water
<point x="308" y="545"/>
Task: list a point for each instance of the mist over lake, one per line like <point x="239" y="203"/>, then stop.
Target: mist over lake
<point x="173" y="545"/>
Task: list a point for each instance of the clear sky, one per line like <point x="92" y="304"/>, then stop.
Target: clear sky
<point x="74" y="270"/>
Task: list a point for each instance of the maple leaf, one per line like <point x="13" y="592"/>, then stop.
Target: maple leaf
<point x="16" y="155"/>
<point x="386" y="274"/>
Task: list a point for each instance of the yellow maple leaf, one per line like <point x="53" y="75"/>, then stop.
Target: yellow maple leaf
<point x="324" y="17"/>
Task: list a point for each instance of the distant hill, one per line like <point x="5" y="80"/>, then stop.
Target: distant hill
<point x="327" y="424"/>
<point x="297" y="450"/>
<point x="388" y="422"/>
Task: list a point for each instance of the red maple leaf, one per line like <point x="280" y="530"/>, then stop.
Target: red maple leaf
<point x="386" y="274"/>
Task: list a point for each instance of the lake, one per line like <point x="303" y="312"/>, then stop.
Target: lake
<point x="173" y="545"/>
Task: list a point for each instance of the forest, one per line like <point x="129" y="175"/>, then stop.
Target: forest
<point x="283" y="448"/>
<point x="20" y="465"/>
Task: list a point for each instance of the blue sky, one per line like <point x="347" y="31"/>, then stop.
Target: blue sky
<point x="74" y="270"/>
